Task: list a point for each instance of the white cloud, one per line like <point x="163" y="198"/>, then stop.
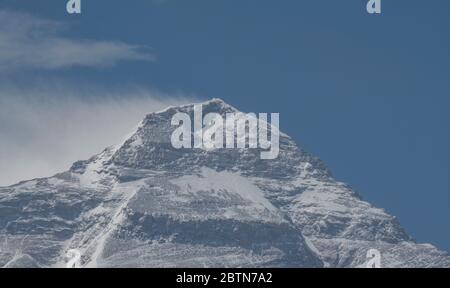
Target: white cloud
<point x="44" y="130"/>
<point x="28" y="42"/>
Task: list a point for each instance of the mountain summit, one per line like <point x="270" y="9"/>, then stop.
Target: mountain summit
<point x="144" y="203"/>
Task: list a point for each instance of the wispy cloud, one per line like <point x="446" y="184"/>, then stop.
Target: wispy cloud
<point x="28" y="42"/>
<point x="44" y="130"/>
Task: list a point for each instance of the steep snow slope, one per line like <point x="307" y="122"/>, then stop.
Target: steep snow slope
<point x="143" y="203"/>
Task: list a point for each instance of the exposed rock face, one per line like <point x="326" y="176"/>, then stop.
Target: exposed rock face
<point x="144" y="203"/>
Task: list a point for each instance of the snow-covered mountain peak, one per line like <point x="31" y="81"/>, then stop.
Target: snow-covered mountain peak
<point x="143" y="203"/>
<point x="149" y="148"/>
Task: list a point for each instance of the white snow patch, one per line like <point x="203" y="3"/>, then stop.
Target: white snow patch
<point x="211" y="180"/>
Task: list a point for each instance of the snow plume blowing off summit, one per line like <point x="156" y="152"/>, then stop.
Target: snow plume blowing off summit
<point x="44" y="130"/>
<point x="145" y="203"/>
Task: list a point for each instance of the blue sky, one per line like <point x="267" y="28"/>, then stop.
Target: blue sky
<point x="367" y="94"/>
